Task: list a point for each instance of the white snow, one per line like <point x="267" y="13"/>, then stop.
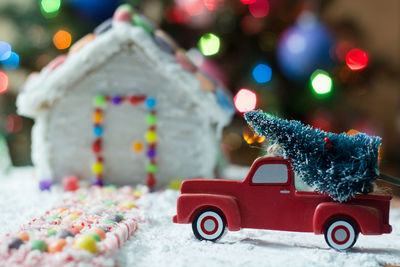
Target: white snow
<point x="159" y="242"/>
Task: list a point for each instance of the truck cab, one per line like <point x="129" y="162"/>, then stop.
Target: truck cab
<point x="267" y="199"/>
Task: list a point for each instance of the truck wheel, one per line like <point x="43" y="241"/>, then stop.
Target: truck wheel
<point x="208" y="225"/>
<point x="341" y="234"/>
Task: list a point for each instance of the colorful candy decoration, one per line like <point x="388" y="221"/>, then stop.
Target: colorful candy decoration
<point x="123" y="13"/>
<point x="38" y="245"/>
<point x="86" y="242"/>
<point x="100" y="104"/>
<point x="82" y="42"/>
<point x="45" y="185"/>
<point x="15" y="243"/>
<point x="56" y="62"/>
<point x="70" y="183"/>
<point x="99" y="228"/>
<point x="64" y="233"/>
<point x="56" y="245"/>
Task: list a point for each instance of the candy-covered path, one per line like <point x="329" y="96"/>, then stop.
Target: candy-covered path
<point x="162" y="243"/>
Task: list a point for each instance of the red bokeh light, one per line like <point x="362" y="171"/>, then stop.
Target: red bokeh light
<point x="245" y="100"/>
<point x="3" y="82"/>
<point x="356" y="59"/>
<point x="174" y="14"/>
<point x="247" y="2"/>
<point x="251" y="25"/>
<point x="259" y="8"/>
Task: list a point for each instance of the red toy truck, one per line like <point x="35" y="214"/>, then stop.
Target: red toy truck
<point x="267" y="199"/>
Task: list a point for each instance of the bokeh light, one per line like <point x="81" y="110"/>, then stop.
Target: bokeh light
<point x="321" y="82"/>
<point x="259" y="8"/>
<point x="251" y="25"/>
<point x="252" y="138"/>
<point x="5" y="50"/>
<point x="209" y="44"/>
<point x="245" y="100"/>
<point x="246" y="2"/>
<point x="262" y="73"/>
<point x="50" y="6"/>
<point x="3" y="82"/>
<point x="356" y="59"/>
<point x="12" y="62"/>
<point x="62" y="39"/>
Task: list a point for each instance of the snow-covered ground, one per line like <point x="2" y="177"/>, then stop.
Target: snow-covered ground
<point x="159" y="242"/>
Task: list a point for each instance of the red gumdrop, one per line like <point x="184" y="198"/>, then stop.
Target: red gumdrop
<point x="150" y="181"/>
<point x="96" y="147"/>
<point x="70" y="183"/>
<point x="122" y="15"/>
<point x="136" y="99"/>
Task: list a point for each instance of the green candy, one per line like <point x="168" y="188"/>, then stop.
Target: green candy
<point x="109" y="222"/>
<point x="151" y="119"/>
<point x="151" y="168"/>
<point x="96" y="237"/>
<point x="122" y="217"/>
<point x="99" y="101"/>
<point x="111" y="187"/>
<point x="53" y="218"/>
<point x="51" y="232"/>
<point x="38" y="245"/>
<point x="138" y="21"/>
<point x="126" y="7"/>
<point x="109" y="203"/>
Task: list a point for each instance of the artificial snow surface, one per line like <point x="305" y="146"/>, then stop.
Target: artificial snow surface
<point x="159" y="242"/>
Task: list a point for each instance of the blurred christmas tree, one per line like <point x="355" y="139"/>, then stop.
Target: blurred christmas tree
<point x="296" y="59"/>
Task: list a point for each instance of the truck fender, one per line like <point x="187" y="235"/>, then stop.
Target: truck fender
<point x="368" y="220"/>
<point x="190" y="204"/>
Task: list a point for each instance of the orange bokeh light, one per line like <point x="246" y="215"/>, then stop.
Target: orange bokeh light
<point x="62" y="39"/>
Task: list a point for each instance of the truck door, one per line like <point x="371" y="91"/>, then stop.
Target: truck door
<point x="269" y="196"/>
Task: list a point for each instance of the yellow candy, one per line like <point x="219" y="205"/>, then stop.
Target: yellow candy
<point x="97" y="117"/>
<point x="71" y="217"/>
<point x="137" y="193"/>
<point x="137" y="146"/>
<point x="151" y="136"/>
<point x="86" y="242"/>
<point x="175" y="184"/>
<point x="97" y="168"/>
<point x="128" y="204"/>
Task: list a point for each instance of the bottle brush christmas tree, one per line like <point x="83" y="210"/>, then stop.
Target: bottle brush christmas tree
<point x="335" y="164"/>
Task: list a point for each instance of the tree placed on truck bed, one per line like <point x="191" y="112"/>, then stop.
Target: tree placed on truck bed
<point x="336" y="164"/>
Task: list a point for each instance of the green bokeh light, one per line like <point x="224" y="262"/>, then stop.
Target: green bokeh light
<point x="321" y="82"/>
<point x="50" y="6"/>
<point x="209" y="44"/>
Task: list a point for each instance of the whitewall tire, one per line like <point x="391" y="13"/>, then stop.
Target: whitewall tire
<point x="341" y="234"/>
<point x="208" y="225"/>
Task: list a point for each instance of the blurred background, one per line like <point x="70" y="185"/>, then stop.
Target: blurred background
<point x="333" y="64"/>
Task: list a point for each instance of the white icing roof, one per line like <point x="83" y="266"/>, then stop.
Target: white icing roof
<point x="43" y="90"/>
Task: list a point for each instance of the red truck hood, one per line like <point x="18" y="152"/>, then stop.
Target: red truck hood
<point x="209" y="186"/>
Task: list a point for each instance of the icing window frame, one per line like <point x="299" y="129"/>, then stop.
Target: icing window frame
<point x="271" y="174"/>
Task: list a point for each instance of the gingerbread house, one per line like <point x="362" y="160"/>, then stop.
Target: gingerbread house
<point x="124" y="106"/>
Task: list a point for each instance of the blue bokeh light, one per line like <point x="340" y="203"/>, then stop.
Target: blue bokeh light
<point x="5" y="50"/>
<point x="262" y="73"/>
<point x="12" y="62"/>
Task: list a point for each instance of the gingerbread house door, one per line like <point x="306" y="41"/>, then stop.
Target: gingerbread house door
<point x="124" y="139"/>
